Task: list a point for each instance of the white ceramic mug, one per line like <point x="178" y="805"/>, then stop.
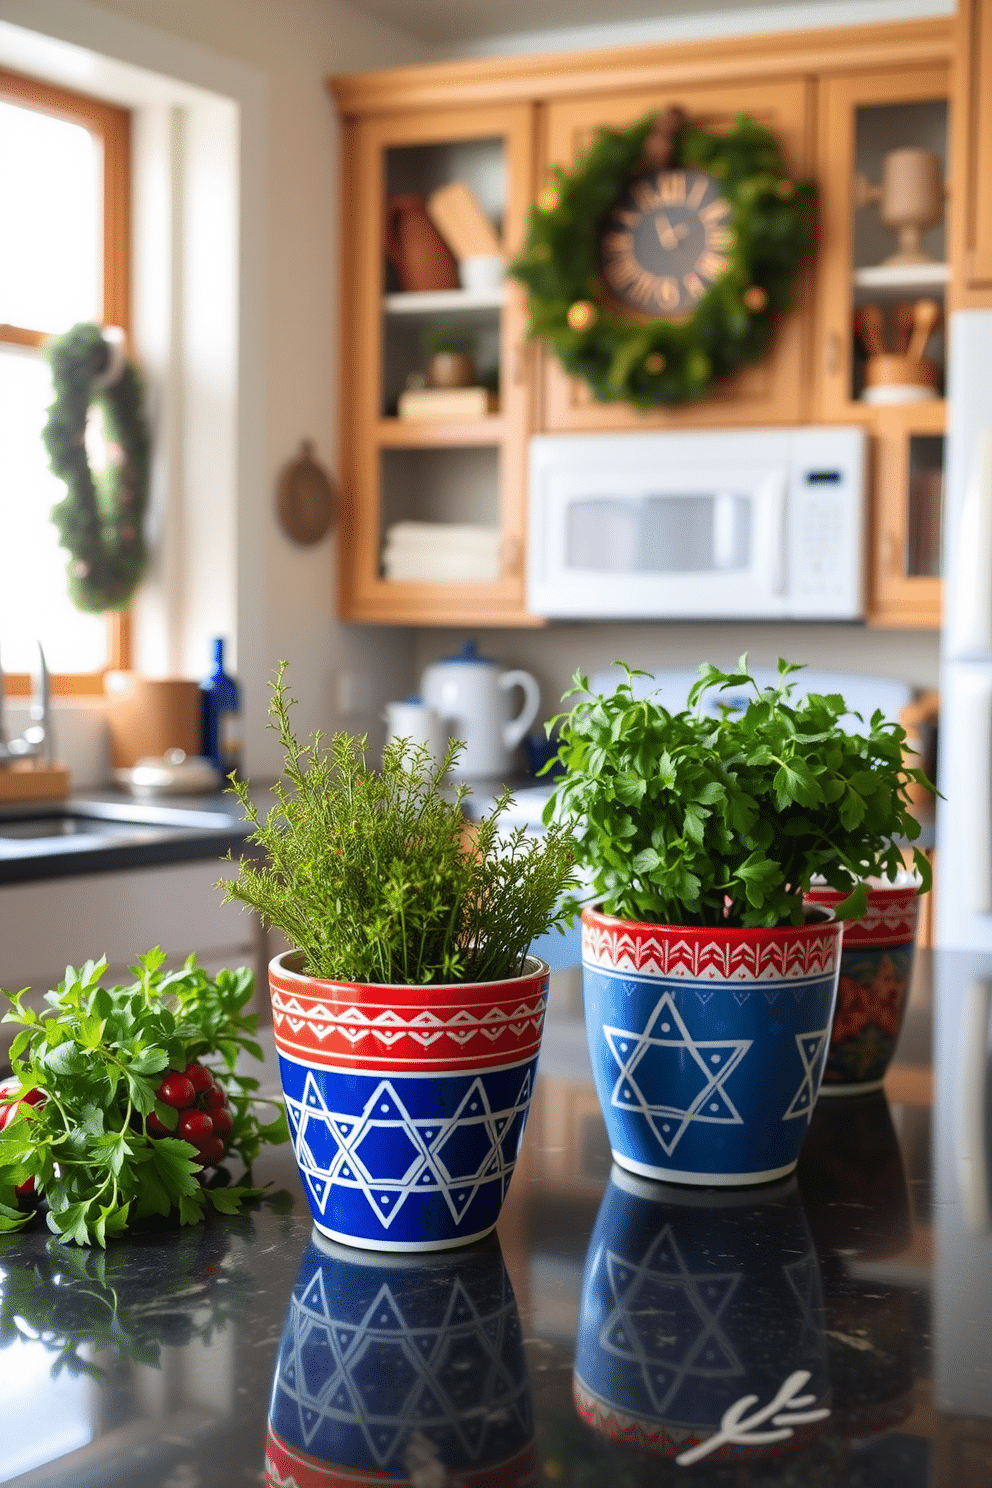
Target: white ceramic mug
<point x="412" y="719"/>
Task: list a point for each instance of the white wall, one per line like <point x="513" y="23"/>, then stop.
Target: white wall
<point x="225" y="565"/>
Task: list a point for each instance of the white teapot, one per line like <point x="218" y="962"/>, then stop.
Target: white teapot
<point x="471" y="695"/>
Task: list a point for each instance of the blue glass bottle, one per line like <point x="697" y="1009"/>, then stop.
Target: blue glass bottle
<point x="221" y="715"/>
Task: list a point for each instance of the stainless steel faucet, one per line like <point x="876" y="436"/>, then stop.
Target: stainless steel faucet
<point x="36" y="741"/>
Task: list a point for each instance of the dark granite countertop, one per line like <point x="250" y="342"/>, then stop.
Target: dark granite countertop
<point x="109" y="831"/>
<point x="157" y="1362"/>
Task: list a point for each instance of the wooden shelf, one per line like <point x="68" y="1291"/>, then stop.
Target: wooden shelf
<point x="444" y="301"/>
<point x="902" y="277"/>
<point x="395" y="433"/>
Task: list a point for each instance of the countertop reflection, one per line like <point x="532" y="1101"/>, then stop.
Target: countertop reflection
<point x="832" y="1329"/>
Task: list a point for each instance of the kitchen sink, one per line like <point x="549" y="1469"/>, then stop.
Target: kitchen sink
<point x="106" y="833"/>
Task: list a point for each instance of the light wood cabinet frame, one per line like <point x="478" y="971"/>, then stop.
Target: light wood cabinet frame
<point x="840" y="99"/>
<point x="364" y="594"/>
<point x="774" y="391"/>
<point x="895" y="598"/>
<point x="971" y="186"/>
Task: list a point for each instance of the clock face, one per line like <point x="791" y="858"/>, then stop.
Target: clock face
<point x="665" y="242"/>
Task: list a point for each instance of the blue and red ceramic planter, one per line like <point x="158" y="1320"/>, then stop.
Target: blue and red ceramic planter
<point x="875" y="973"/>
<point x="406" y="1104"/>
<point x="708" y="1045"/>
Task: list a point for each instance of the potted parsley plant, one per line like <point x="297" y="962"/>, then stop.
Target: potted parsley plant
<point x="408" y="1015"/>
<point x="709" y="983"/>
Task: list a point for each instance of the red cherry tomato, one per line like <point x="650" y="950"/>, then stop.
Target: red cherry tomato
<point x="195" y="1127"/>
<point x="212" y="1152"/>
<point x="157" y="1128"/>
<point x="26" y="1189"/>
<point x="223" y="1121"/>
<point x="176" y="1090"/>
<point x="200" y="1078"/>
<point x="215" y="1098"/>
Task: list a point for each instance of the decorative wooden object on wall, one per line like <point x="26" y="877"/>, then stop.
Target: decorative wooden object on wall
<point x="305" y="498"/>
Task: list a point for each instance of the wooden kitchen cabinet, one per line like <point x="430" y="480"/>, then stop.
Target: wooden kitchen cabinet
<point x="906" y="499"/>
<point x="468" y="472"/>
<point x="835" y="99"/>
<point x="862" y="115"/>
<point x="775" y="390"/>
<point x="971" y="197"/>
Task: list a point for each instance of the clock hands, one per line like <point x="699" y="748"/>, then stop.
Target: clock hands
<point x="669" y="236"/>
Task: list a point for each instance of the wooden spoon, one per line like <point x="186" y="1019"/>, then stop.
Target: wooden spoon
<point x="926" y="314"/>
<point x="903" y="321"/>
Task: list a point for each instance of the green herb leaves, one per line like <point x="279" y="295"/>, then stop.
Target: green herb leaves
<point x="689" y="819"/>
<point x="89" y="1067"/>
<point x="377" y="877"/>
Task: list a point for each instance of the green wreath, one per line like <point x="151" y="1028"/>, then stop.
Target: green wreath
<point x="101" y="519"/>
<point x="652" y="362"/>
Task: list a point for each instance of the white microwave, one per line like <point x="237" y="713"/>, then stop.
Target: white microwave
<point x="751" y="523"/>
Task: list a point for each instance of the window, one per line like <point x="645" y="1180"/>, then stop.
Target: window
<point x="64" y="251"/>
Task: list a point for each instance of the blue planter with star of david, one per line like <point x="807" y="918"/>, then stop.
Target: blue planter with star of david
<point x="389" y="1363"/>
<point x="692" y="1300"/>
<point x="406" y="1104"/>
<point x="708" y="1045"/>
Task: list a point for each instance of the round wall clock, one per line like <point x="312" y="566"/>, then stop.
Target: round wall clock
<point x="665" y="242"/>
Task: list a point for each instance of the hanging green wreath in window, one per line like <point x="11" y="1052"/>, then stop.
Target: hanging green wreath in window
<point x="657" y="268"/>
<point x="101" y="520"/>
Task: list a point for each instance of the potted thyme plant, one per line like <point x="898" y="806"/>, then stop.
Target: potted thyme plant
<point x="709" y="984"/>
<point x="408" y="1016"/>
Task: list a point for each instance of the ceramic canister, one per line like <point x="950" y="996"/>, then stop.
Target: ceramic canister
<point x="707" y="1045"/>
<point x="406" y="1104"/>
<point x="395" y="1370"/>
<point x="875" y="973"/>
<point x="691" y="1301"/>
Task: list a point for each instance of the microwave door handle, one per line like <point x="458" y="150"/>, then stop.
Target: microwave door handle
<point x="775" y="493"/>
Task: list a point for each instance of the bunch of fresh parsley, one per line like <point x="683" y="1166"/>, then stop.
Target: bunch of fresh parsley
<point x="683" y="818"/>
<point x="96" y="1055"/>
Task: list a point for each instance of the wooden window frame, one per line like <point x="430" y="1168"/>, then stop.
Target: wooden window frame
<point x="112" y="127"/>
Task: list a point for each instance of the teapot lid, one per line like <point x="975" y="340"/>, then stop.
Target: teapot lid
<point x="470" y="654"/>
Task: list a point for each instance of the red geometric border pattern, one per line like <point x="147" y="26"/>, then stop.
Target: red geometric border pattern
<point x="670" y="1441"/>
<point x="696" y="953"/>
<point x="407" y="1029"/>
<point x="287" y="1467"/>
<point x="890" y="919"/>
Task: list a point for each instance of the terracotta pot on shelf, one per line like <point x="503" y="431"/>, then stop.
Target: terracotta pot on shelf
<point x="415" y="248"/>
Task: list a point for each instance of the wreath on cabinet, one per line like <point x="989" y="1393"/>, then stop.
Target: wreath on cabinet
<point x="101" y="519"/>
<point x="659" y="265"/>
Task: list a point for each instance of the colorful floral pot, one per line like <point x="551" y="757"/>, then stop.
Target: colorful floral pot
<point x="691" y="1301"/>
<point x="707" y="1045"/>
<point x="389" y="1365"/>
<point x="875" y="971"/>
<point x="406" y="1105"/>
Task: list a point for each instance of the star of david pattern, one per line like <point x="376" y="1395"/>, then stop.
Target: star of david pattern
<point x="666" y="1321"/>
<point x="811" y="1047"/>
<point x="333" y="1372"/>
<point x="388" y="1155"/>
<point x="653" y="1059"/>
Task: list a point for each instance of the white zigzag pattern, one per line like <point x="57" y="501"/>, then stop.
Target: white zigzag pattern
<point x="426" y="1139"/>
<point x="388" y="1027"/>
<point x="424" y="1353"/>
<point x="618" y="950"/>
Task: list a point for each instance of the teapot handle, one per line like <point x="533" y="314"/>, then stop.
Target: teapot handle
<point x="514" y="731"/>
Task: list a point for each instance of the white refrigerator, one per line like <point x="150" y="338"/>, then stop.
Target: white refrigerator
<point x="964" y="816"/>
